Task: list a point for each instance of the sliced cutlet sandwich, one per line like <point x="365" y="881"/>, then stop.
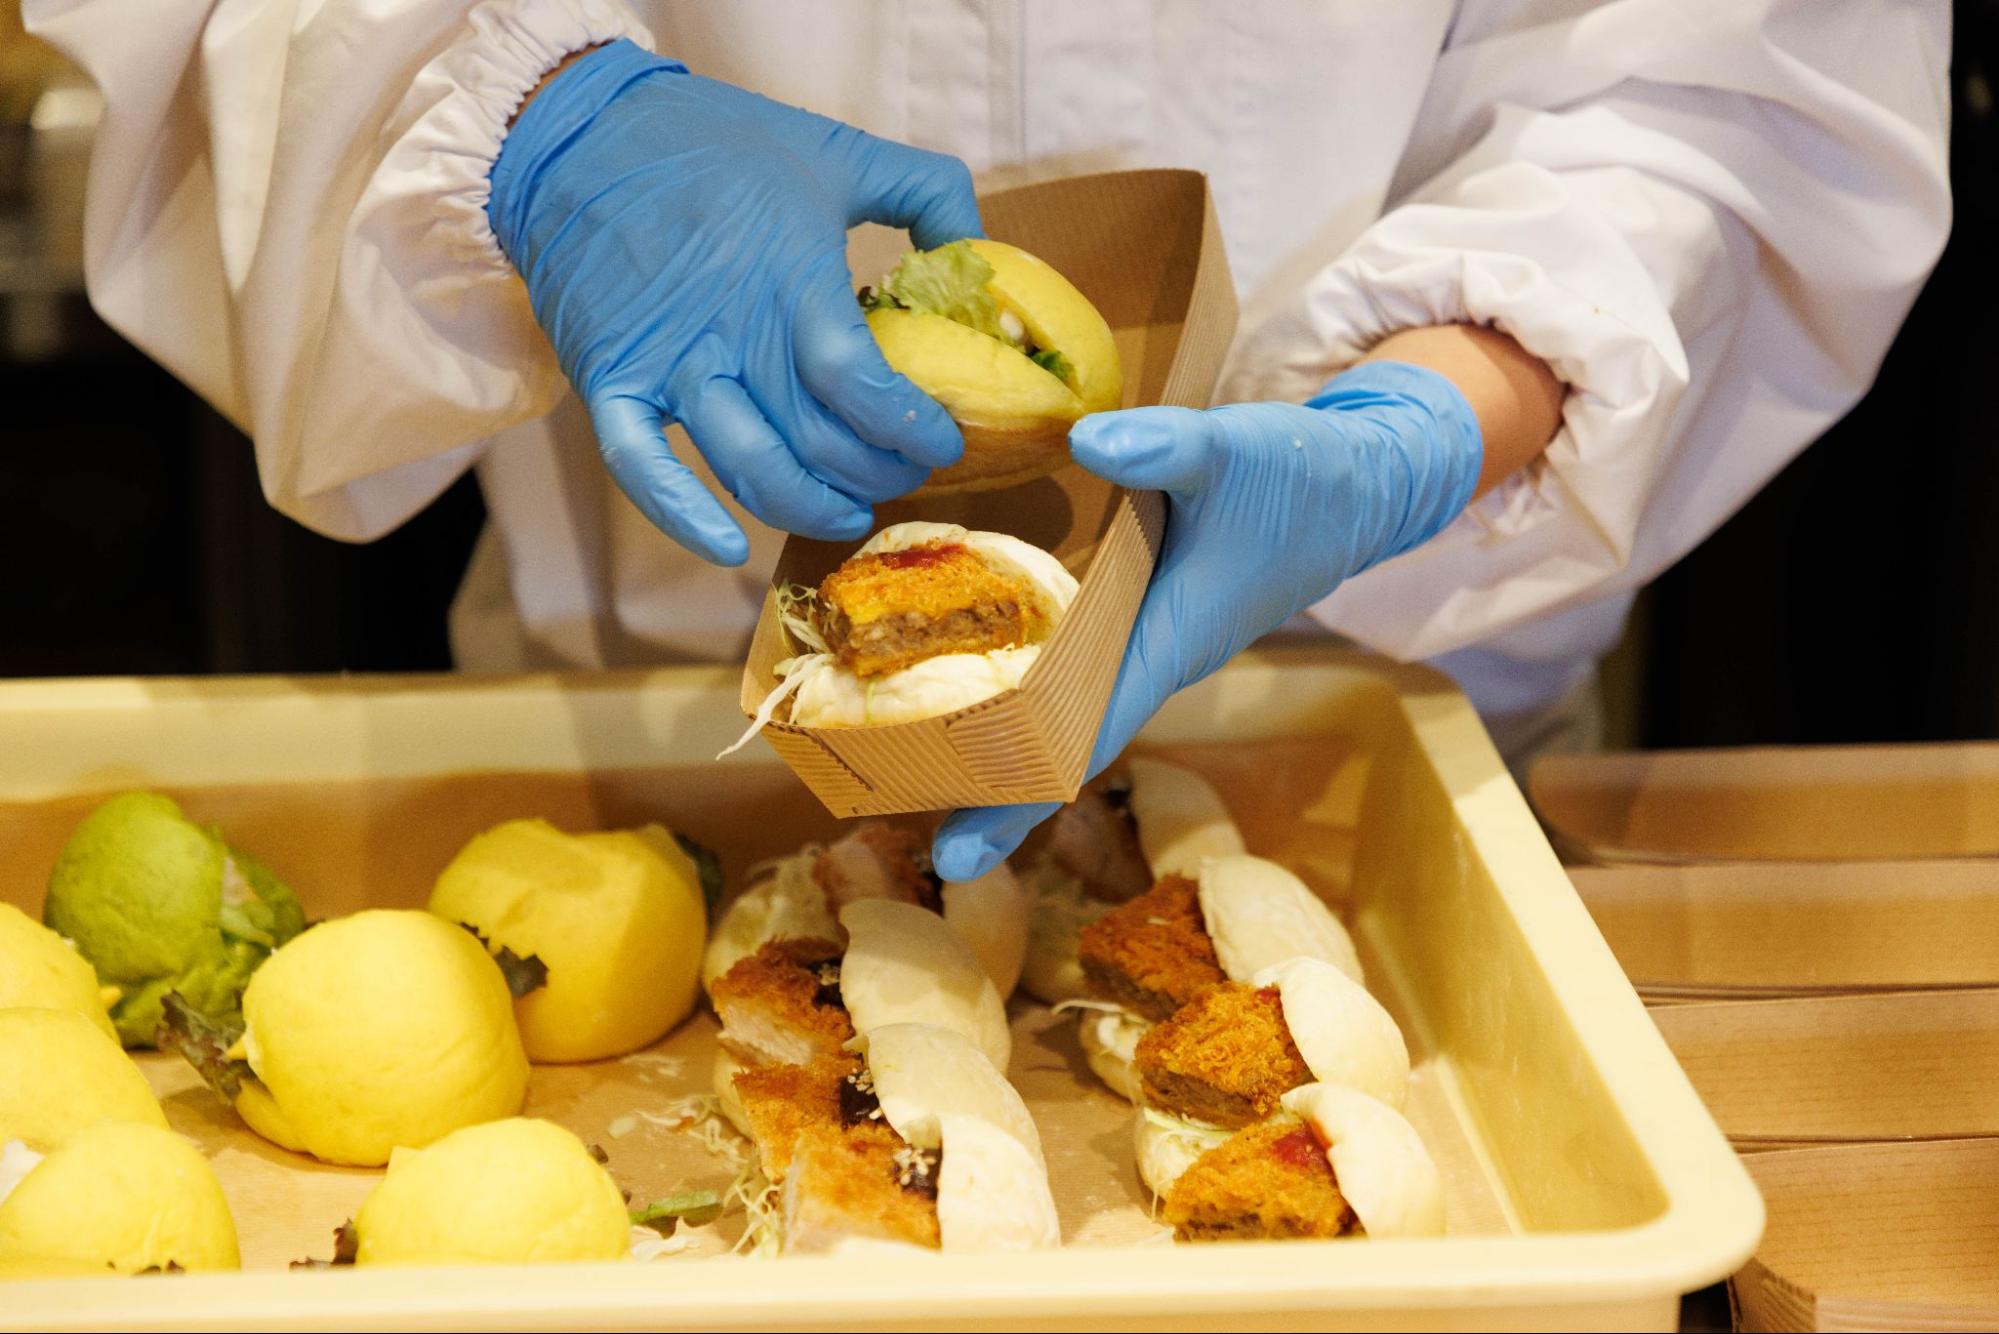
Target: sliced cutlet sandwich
<point x="1140" y="820"/>
<point x="1151" y="955"/>
<point x="887" y="610"/>
<point x="1225" y="1058"/>
<point x="869" y="1083"/>
<point x="1268" y="1182"/>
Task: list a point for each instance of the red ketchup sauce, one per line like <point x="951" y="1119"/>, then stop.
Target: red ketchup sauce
<point x="916" y="558"/>
<point x="1299" y="1149"/>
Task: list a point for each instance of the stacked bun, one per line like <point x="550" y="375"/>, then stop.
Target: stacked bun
<point x="1227" y="1002"/>
<point x="1143" y="819"/>
<point x="866" y="1066"/>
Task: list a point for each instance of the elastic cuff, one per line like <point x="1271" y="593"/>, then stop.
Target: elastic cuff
<point x="1433" y="429"/>
<point x="470" y="92"/>
<point x="570" y="101"/>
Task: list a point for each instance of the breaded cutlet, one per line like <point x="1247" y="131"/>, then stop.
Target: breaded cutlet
<point x="877" y="861"/>
<point x="859" y="1180"/>
<point x="1225" y="1057"/>
<point x="782" y="1102"/>
<point x="1151" y="955"/>
<point x="782" y="1005"/>
<point x="1270" y="1181"/>
<point x="889" y="610"/>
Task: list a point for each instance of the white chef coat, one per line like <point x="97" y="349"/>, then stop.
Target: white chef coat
<point x="1708" y="216"/>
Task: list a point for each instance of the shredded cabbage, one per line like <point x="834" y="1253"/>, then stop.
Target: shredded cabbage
<point x="802" y="628"/>
<point x="1103" y="1007"/>
<point x="792" y="673"/>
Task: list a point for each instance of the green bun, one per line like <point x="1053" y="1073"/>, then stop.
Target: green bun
<point x="157" y="904"/>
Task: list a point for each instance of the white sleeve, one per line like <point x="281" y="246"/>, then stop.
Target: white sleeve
<point x="287" y="210"/>
<point x="1708" y="218"/>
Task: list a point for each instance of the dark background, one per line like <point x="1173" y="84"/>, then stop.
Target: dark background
<point x="1855" y="599"/>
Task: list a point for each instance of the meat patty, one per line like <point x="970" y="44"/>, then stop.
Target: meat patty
<point x="889" y="610"/>
<point x="1268" y="1182"/>
<point x="1151" y="955"/>
<point x="1225" y="1057"/>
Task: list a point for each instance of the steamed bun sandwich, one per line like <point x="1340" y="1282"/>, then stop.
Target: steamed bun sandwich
<point x="1010" y="348"/>
<point x="1143" y="819"/>
<point x="801" y="896"/>
<point x="925" y="619"/>
<point x="1232" y="918"/>
<point x="388" y="1029"/>
<point x="160" y="904"/>
<point x="602" y="932"/>
<point x="1269" y="1082"/>
<point x="869" y="1080"/>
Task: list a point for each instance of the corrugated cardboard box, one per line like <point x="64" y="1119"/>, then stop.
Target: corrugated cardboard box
<point x="1899" y="1065"/>
<point x="1742" y="930"/>
<point x="1876" y="1236"/>
<point x="1144" y="246"/>
<point x="1820" y="803"/>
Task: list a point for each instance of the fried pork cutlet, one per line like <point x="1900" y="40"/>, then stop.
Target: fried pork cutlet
<point x="889" y="610"/>
<point x="782" y="1102"/>
<point x="782" y="1005"/>
<point x="861" y="1180"/>
<point x="1095" y="839"/>
<point x="1225" y="1057"/>
<point x="1267" y="1182"/>
<point x="877" y="861"/>
<point x="1151" y="955"/>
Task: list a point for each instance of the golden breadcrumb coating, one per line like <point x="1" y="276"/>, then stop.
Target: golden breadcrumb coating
<point x="1225" y="1057"/>
<point x="782" y="1004"/>
<point x="782" y="1102"/>
<point x="1270" y="1181"/>
<point x="1151" y="955"/>
<point x="858" y="1181"/>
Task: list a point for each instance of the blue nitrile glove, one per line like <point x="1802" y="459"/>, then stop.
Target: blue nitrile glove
<point x="684" y="244"/>
<point x="1272" y="505"/>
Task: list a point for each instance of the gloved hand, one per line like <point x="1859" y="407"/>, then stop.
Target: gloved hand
<point x="684" y="245"/>
<point x="1271" y="506"/>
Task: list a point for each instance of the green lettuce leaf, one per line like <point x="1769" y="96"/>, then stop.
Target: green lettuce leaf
<point x="949" y="281"/>
<point x="1057" y="365"/>
<point x="204" y="1043"/>
<point x="696" y="1208"/>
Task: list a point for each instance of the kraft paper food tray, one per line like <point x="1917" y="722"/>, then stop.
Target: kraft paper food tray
<point x="1585" y="1185"/>
<point x="1879" y="1236"/>
<point x="1821" y="803"/>
<point x="1145" y="247"/>
<point x="1747" y="929"/>
<point x="1894" y="1066"/>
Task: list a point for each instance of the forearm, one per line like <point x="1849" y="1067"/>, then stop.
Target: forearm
<point x="1516" y="398"/>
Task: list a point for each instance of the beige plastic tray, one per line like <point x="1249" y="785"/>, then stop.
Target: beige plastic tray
<point x="1586" y="1186"/>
